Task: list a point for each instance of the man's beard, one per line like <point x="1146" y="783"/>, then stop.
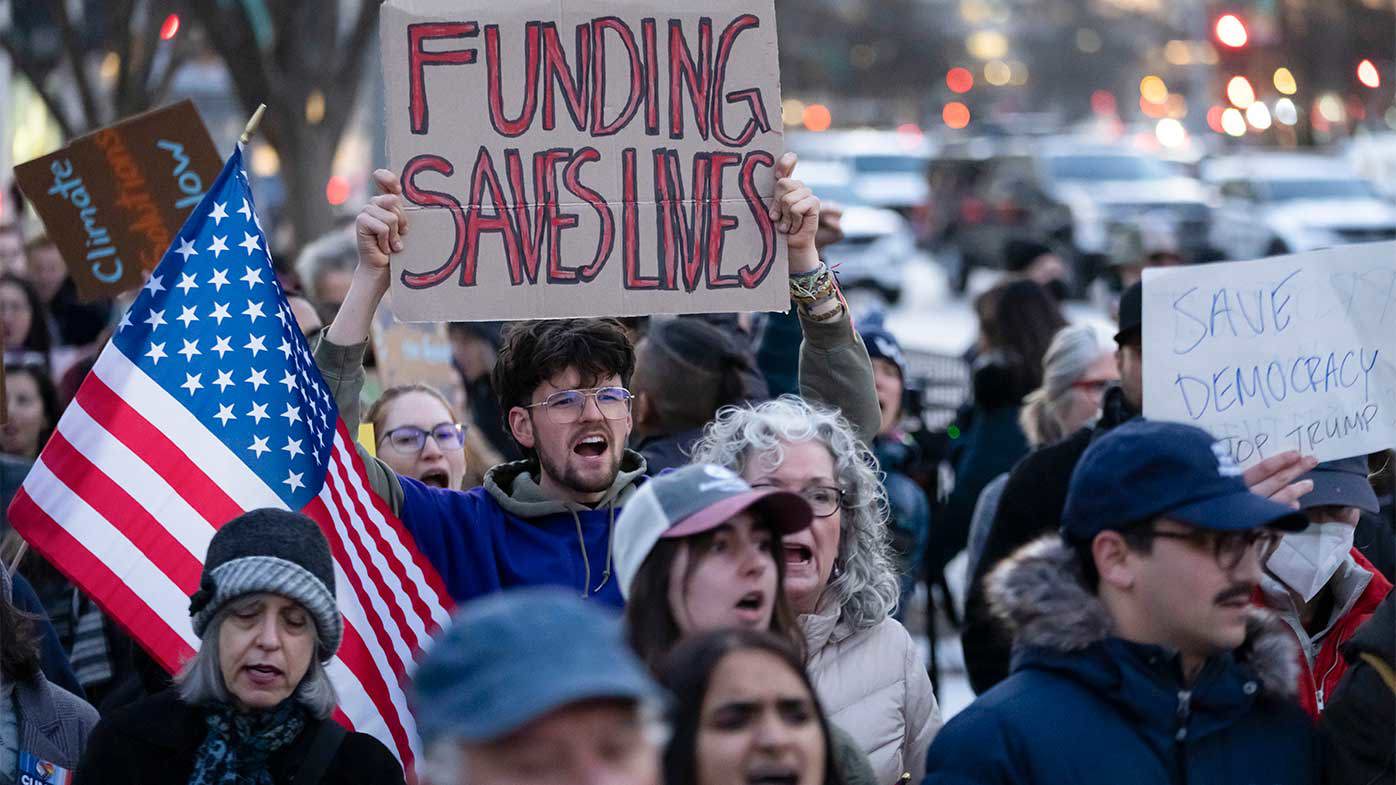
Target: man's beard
<point x="567" y="477"/>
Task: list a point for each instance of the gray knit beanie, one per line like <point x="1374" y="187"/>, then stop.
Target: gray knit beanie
<point x="273" y="551"/>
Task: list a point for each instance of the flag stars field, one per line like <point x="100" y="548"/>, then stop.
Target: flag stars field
<point x="191" y="449"/>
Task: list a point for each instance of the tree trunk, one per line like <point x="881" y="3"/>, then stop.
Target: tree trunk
<point x="307" y="159"/>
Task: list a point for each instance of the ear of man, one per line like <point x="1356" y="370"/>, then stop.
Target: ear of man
<point x="521" y="426"/>
<point x="1113" y="560"/>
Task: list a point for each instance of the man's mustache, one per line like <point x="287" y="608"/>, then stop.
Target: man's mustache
<point x="1240" y="591"/>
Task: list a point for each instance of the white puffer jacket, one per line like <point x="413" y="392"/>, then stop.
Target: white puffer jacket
<point x="872" y="684"/>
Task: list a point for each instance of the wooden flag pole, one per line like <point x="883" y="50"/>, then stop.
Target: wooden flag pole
<point x="252" y="124"/>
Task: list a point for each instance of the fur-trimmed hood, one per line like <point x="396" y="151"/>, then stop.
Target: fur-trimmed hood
<point x="1039" y="595"/>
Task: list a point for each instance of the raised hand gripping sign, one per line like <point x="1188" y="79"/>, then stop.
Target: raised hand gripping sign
<point x="1291" y="353"/>
<point x="584" y="157"/>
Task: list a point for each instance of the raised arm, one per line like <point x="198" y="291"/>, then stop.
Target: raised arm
<point x="834" y="365"/>
<point x="340" y="352"/>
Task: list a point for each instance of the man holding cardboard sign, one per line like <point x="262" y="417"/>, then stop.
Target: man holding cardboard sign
<point x="562" y="384"/>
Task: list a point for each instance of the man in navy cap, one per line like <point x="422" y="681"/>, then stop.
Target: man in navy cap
<point x="1137" y="655"/>
<point x="1319" y="583"/>
<point x="536" y="686"/>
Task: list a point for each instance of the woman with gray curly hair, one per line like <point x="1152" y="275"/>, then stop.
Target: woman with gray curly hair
<point x="839" y="574"/>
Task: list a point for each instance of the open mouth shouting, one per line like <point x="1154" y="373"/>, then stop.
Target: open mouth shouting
<point x="753" y="609"/>
<point x="592" y="445"/>
<point x="772" y="774"/>
<point x="436" y="477"/>
<point x="798" y="554"/>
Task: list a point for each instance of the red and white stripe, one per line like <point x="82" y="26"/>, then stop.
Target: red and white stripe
<point x="127" y="494"/>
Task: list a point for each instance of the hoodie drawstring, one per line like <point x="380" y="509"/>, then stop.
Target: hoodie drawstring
<point x="582" y="543"/>
<point x="610" y="543"/>
<point x="587" y="591"/>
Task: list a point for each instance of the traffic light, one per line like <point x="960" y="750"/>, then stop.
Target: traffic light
<point x="170" y="27"/>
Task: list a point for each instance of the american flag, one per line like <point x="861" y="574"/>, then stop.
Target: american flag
<point x="205" y="404"/>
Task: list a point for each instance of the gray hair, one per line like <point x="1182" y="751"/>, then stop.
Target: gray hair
<point x="336" y="250"/>
<point x="200" y="681"/>
<point x="1073" y="350"/>
<point x="866" y="589"/>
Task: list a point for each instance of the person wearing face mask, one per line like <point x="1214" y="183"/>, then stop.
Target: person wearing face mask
<point x="697" y="550"/>
<point x="745" y="712"/>
<point x="1319" y="583"/>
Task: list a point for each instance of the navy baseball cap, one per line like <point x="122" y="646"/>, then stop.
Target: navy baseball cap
<point x="1341" y="483"/>
<point x="1142" y="470"/>
<point x="515" y="656"/>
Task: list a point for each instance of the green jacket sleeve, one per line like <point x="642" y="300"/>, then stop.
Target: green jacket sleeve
<point x="343" y="369"/>
<point x="835" y="371"/>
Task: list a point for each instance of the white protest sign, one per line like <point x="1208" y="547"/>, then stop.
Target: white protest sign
<point x="584" y="157"/>
<point x="1291" y="353"/>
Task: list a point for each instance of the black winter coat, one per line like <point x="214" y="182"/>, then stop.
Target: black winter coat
<point x="1359" y="724"/>
<point x="1030" y="507"/>
<point x="153" y="742"/>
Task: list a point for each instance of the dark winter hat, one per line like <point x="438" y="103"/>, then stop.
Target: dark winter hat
<point x="1131" y="313"/>
<point x="274" y="551"/>
<point x="512" y="657"/>
<point x="1144" y="469"/>
<point x="1019" y="254"/>
<point x="884" y="346"/>
<point x="1341" y="483"/>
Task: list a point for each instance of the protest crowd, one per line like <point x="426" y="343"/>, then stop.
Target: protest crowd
<point x="686" y="549"/>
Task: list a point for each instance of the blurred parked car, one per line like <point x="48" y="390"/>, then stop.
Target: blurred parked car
<point x="877" y="244"/>
<point x="887" y="168"/>
<point x="1071" y="196"/>
<point x="1281" y="203"/>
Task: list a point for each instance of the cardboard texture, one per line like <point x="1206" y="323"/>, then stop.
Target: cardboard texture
<point x="1291" y="353"/>
<point x="584" y="157"/>
<point x="418" y="353"/>
<point x="112" y="200"/>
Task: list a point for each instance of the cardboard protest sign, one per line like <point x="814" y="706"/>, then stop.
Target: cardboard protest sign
<point x="415" y="354"/>
<point x="113" y="200"/>
<point x="584" y="157"/>
<point x="1291" y="353"/>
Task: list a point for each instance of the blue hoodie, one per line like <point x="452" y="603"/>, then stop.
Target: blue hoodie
<point x="508" y="533"/>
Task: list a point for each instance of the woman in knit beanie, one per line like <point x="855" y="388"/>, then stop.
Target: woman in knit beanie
<point x="253" y="706"/>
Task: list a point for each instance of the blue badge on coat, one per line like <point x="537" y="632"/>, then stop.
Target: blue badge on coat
<point x="34" y="770"/>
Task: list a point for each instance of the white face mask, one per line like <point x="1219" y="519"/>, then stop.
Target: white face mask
<point x="1306" y="560"/>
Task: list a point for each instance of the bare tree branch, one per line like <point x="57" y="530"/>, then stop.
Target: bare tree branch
<point x="75" y="61"/>
<point x="30" y="70"/>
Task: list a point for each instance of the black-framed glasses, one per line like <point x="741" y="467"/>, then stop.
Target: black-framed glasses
<point x="823" y="500"/>
<point x="409" y="439"/>
<point x="566" y="406"/>
<point x="1228" y="548"/>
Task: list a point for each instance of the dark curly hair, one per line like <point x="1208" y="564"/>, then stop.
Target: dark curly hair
<point x="534" y="352"/>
